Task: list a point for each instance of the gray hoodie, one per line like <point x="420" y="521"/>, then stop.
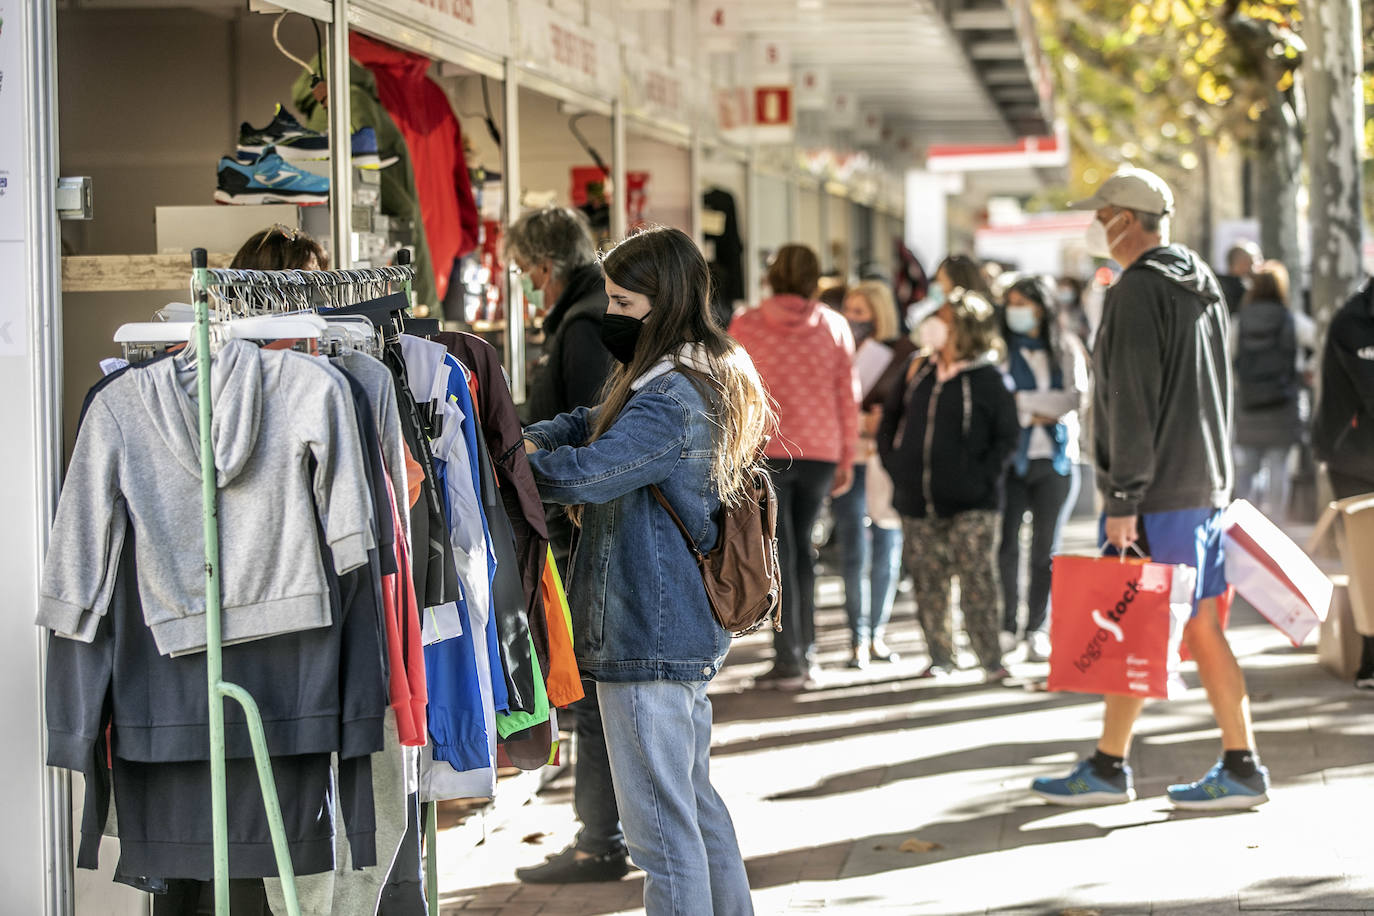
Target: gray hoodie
<point x="140" y="443"/>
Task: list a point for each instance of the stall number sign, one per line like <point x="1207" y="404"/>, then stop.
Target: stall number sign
<point x="773" y="106"/>
<point x="662" y="91"/>
<point x="462" y="10"/>
<point x="573" y="51"/>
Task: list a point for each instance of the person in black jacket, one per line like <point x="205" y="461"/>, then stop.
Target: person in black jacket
<point x="1162" y="416"/>
<point x="554" y="251"/>
<point x="945" y="439"/>
<point x="1343" y="431"/>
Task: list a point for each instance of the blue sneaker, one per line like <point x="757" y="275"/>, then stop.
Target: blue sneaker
<point x="1083" y="787"/>
<point x="1222" y="789"/>
<point x="363" y="149"/>
<point x="292" y="139"/>
<point x="269" y="180"/>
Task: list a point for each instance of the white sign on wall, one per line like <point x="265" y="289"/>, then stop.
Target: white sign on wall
<point x="716" y="26"/>
<point x="870" y="127"/>
<point x="655" y="89"/>
<point x="480" y="23"/>
<point x="813" y="88"/>
<point x="844" y="111"/>
<point x="565" y="50"/>
<point x="772" y="61"/>
<point x="11" y="125"/>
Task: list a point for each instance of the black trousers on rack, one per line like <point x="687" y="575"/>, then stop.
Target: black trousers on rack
<point x="192" y="898"/>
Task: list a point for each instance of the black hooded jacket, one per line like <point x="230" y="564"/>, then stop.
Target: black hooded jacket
<point x="1163" y="391"/>
<point x="1343" y="429"/>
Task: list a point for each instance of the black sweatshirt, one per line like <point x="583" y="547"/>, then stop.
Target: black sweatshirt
<point x="1343" y="429"/>
<point x="1162" y="401"/>
<point x="957" y="464"/>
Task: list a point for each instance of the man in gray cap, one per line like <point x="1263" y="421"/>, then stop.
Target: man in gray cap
<point x="1162" y="417"/>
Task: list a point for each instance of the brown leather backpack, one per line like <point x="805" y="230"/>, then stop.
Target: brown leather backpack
<point x="742" y="577"/>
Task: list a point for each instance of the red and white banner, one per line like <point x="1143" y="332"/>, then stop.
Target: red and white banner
<point x="1273" y="573"/>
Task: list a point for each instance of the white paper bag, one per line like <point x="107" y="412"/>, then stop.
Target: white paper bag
<point x="1273" y="573"/>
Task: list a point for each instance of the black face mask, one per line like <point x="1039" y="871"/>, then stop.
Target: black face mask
<point x="620" y="335"/>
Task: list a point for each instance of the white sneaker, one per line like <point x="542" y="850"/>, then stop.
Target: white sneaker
<point x="1038" y="647"/>
<point x="1007" y="641"/>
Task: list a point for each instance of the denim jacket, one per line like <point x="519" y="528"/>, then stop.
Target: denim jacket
<point x="639" y="607"/>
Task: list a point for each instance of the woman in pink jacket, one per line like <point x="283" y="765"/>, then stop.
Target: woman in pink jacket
<point x="805" y="354"/>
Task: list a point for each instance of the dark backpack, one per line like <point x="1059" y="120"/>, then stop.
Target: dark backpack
<point x="1266" y="356"/>
<point x="742" y="576"/>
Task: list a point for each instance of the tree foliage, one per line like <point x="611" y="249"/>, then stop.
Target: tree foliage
<point x="1150" y="82"/>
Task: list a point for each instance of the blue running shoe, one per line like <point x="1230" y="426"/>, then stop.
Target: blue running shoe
<point x="292" y="139"/>
<point x="363" y="148"/>
<point x="1220" y="788"/>
<point x="1083" y="788"/>
<point x="269" y="180"/>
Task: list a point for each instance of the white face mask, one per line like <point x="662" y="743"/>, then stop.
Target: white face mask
<point x="1022" y="319"/>
<point x="934" y="334"/>
<point x="1097" y="240"/>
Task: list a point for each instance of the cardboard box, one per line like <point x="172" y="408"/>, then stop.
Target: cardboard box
<point x="1338" y="645"/>
<point x="1350" y="523"/>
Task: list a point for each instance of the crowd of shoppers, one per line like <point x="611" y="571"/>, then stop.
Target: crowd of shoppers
<point x="947" y="455"/>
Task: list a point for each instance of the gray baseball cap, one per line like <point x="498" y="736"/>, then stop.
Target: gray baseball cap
<point x="1133" y="189"/>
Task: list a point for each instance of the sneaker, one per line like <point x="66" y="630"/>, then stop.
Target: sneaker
<point x="1222" y="789"/>
<point x="1038" y="646"/>
<point x="1007" y="641"/>
<point x="269" y="180"/>
<point x="292" y="139"/>
<point x="880" y="651"/>
<point x="567" y="868"/>
<point x="1364" y="683"/>
<point x="934" y="671"/>
<point x="363" y="150"/>
<point x="858" y="658"/>
<point x="779" y="679"/>
<point x="1083" y="787"/>
<point x="996" y="675"/>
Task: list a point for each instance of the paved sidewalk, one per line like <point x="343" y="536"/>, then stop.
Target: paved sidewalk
<point x="826" y="786"/>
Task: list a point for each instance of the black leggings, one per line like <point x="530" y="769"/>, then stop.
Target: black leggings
<point x="802" y="487"/>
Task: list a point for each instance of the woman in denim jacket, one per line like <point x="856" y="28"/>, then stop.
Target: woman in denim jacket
<point x="686" y="411"/>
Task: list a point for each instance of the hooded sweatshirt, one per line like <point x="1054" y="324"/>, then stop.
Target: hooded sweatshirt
<point x="805" y="355"/>
<point x="140" y="445"/>
<point x="1162" y="401"/>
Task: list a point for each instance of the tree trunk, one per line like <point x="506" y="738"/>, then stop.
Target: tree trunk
<point x="1335" y="111"/>
<point x="1278" y="176"/>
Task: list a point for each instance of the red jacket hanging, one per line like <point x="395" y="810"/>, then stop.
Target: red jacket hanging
<point x="435" y="139"/>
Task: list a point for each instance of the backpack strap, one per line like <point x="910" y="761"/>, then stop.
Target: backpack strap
<point x="686" y="535"/>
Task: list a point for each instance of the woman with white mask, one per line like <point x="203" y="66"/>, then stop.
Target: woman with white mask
<point x="1047" y="370"/>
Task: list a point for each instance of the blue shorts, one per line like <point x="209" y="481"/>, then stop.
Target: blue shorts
<point x="1191" y="537"/>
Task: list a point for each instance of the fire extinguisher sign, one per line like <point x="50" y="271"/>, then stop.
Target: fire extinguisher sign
<point x="773" y="106"/>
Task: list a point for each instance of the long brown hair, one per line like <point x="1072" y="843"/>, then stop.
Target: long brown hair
<point x="665" y="265"/>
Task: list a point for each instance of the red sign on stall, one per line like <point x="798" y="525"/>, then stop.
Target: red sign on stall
<point x="773" y="106"/>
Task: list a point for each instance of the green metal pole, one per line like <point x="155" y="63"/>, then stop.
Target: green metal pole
<point x="213" y="662"/>
<point x="432" y="857"/>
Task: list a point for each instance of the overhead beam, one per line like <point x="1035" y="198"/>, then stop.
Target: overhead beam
<point x="996" y="50"/>
<point x="987" y="19"/>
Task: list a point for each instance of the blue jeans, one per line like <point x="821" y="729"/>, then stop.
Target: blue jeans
<point x="872" y="562"/>
<point x="678" y="829"/>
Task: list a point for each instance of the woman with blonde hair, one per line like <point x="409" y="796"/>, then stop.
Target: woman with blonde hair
<point x="685" y="411"/>
<point x="871" y="547"/>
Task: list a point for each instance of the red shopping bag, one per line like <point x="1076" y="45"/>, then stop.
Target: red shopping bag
<point x="1117" y="625"/>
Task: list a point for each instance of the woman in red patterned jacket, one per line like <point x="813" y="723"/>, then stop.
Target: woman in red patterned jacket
<point x="805" y="354"/>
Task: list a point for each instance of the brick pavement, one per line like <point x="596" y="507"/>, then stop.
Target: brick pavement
<point x="825" y="787"/>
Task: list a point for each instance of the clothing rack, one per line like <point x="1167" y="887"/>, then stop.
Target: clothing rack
<point x="291" y="285"/>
